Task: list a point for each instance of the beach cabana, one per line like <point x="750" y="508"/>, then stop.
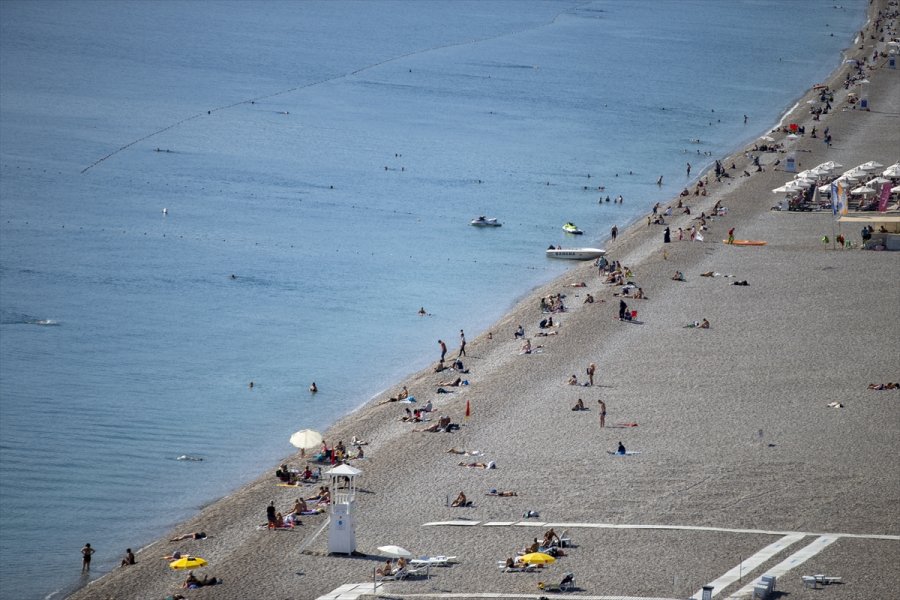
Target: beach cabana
<point x="889" y="239"/>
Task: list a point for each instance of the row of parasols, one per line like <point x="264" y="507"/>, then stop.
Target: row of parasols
<point x="864" y="177"/>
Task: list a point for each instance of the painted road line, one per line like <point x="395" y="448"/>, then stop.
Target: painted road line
<point x="748" y="565"/>
<point x="794" y="560"/>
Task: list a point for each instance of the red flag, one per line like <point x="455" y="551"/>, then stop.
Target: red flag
<point x="885" y="196"/>
<point x="468" y="410"/>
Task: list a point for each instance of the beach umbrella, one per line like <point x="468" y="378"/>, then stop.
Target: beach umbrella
<point x="792" y="136"/>
<point x="787" y="188"/>
<point x="862" y="190"/>
<point x="306" y="439"/>
<point x="767" y="138"/>
<point x="830" y="165"/>
<point x="395" y="551"/>
<point x="892" y="171"/>
<point x="187" y="562"/>
<point x="537" y="558"/>
<point x="895" y="189"/>
<point x="870" y="166"/>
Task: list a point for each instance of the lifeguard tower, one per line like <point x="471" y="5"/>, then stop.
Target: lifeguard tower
<point x="342" y="527"/>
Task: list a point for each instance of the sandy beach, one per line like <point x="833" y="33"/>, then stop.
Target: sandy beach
<point x="739" y="448"/>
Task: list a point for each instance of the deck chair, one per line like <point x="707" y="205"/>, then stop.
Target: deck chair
<point x="567" y="584"/>
<point x="565" y="540"/>
<point x="397" y="575"/>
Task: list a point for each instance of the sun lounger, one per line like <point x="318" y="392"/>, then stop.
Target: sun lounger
<point x="397" y="575"/>
<point x="433" y="561"/>
<point x="813" y="581"/>
<point x="516" y="568"/>
<point x="565" y="540"/>
<point x="567" y="584"/>
<point x="765" y="588"/>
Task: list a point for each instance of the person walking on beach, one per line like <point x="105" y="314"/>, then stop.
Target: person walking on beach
<point x="443" y="349"/>
<point x="86" y="558"/>
<point x="602" y="413"/>
<point x="614" y="232"/>
<point x="590" y="373"/>
<point x="462" y="344"/>
<point x="622" y="308"/>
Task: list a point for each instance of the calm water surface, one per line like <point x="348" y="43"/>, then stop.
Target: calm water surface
<point x="339" y="198"/>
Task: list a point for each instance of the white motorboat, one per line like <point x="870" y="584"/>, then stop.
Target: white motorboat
<point x="572" y="228"/>
<point x="575" y="253"/>
<point x="485" y="222"/>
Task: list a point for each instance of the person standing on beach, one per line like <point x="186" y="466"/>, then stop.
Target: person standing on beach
<point x="667" y="236"/>
<point x="731" y="235"/>
<point x="86" y="558"/>
<point x="462" y="344"/>
<point x="614" y="232"/>
<point x="622" y="308"/>
<point x="590" y="373"/>
<point x="443" y="349"/>
<point x="602" y="413"/>
<point x="270" y="514"/>
<point x="689" y="169"/>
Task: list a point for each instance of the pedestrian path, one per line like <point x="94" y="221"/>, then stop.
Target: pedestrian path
<point x="559" y="524"/>
<point x="792" y="561"/>
<point x="752" y="562"/>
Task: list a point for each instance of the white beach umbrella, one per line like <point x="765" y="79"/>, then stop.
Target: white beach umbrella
<point x="892" y="171"/>
<point x="792" y="136"/>
<point x="870" y="166"/>
<point x="395" y="551"/>
<point x="767" y="138"/>
<point x="862" y="190"/>
<point x="830" y="165"/>
<point x="306" y="439"/>
<point x="878" y="180"/>
<point x="895" y="189"/>
<point x="787" y="188"/>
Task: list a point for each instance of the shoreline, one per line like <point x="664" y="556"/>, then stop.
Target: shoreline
<point x="501" y="387"/>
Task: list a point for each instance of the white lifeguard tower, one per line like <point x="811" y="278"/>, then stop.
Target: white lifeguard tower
<point x="342" y="527"/>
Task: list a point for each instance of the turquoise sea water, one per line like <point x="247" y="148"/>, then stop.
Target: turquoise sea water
<point x="339" y="198"/>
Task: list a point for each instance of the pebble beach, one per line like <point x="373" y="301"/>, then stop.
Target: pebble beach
<point x="738" y="446"/>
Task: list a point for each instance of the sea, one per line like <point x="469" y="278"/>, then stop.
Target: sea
<point x="197" y="195"/>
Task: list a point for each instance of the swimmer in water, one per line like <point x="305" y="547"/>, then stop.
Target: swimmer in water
<point x="313" y="388"/>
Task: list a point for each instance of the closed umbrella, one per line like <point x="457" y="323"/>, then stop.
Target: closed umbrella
<point x="306" y="439"/>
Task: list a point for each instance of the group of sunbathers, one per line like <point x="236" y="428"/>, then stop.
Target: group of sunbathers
<point x="553" y="304"/>
<point x="884" y="386"/>
<point x="443" y="424"/>
<point x="390" y="568"/>
<point x="551" y="544"/>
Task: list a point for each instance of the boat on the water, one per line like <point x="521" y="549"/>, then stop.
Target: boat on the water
<point x="572" y="228"/>
<point x="575" y="253"/>
<point x="485" y="222"/>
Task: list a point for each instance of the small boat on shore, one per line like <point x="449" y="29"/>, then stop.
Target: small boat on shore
<point x="572" y="228"/>
<point x="485" y="222"/>
<point x="575" y="253"/>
